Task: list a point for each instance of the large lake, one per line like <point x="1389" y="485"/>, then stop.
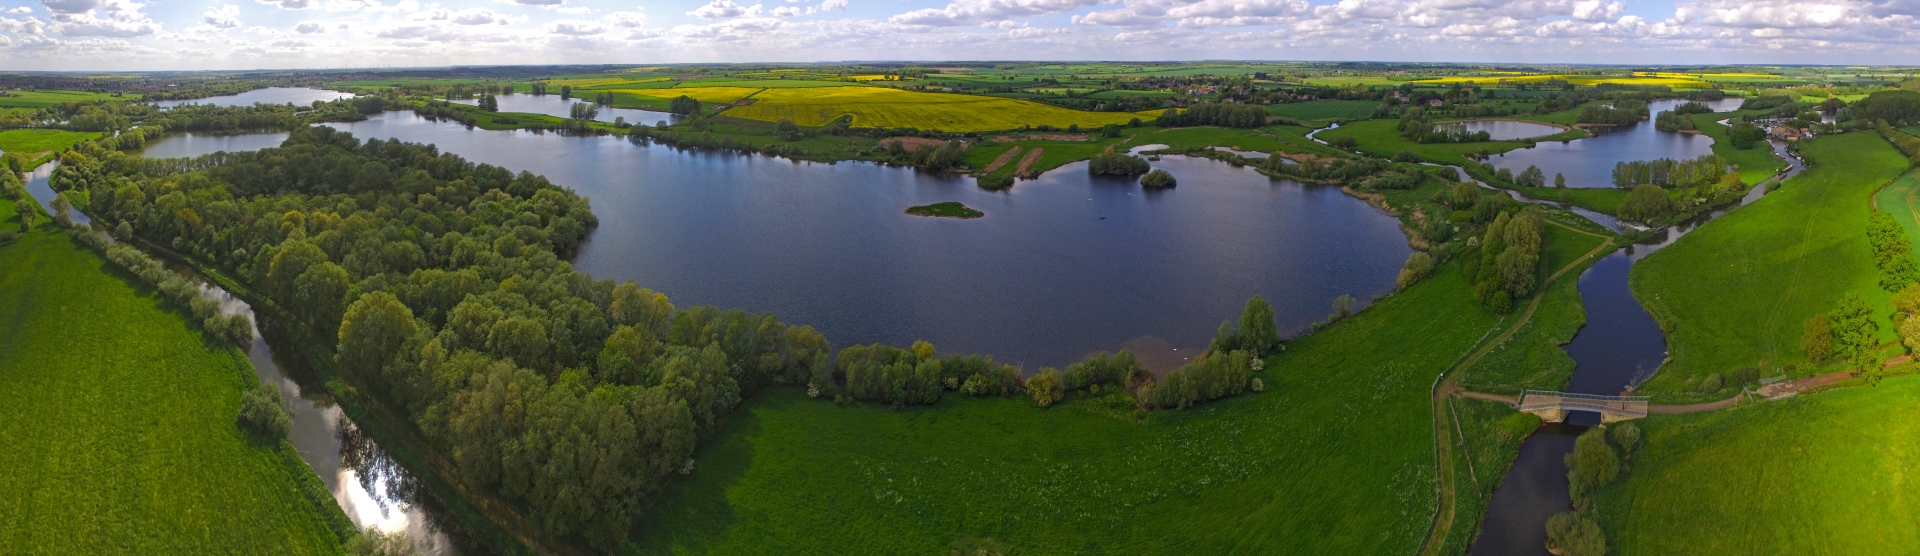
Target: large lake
<point x="1589" y="162"/>
<point x="269" y="95"/>
<point x="553" y="105"/>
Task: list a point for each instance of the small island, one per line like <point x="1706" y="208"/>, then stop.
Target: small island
<point x="949" y="209"/>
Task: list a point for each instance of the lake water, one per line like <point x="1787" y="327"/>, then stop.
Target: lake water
<point x="1589" y="162"/>
<point x="270" y="95"/>
<point x="179" y="145"/>
<point x="553" y="105"/>
<point x="1509" y="130"/>
<point x="1041" y="280"/>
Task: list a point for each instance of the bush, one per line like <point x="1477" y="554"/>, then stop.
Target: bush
<point x="1712" y="383"/>
<point x="1418" y="266"/>
<point x="264" y="412"/>
<point x="1045" y="387"/>
<point x="995" y="182"/>
<point x="1344" y="142"/>
<point x="8" y="236"/>
<point x="1572" y="534"/>
<point x="1258" y="386"/>
<point x="1592" y="465"/>
<point x="1626" y="436"/>
<point x="1158" y="178"/>
<point x="683" y="105"/>
<point x="1645" y="203"/>
<point x="1500" y="302"/>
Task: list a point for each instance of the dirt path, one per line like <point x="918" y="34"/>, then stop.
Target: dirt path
<point x="1002" y="160"/>
<point x="1026" y="162"/>
<point x="1509" y="400"/>
<point x="1789" y="388"/>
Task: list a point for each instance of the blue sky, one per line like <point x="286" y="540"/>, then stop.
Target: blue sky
<point x="245" y="34"/>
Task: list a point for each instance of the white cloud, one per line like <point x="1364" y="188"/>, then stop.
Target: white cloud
<point x="833" y="5"/>
<point x="628" y="20"/>
<point x="477" y="16"/>
<point x="100" y="18"/>
<point x="308" y="28"/>
<point x="288" y="4"/>
<point x="787" y="11"/>
<point x="19" y="10"/>
<point x="575" y="27"/>
<point x="969" y="12"/>
<point x="225" y="16"/>
<point x="724" y="9"/>
<point x="539" y="2"/>
<point x="574" y="10"/>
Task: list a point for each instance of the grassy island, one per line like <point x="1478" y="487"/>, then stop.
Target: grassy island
<point x="949" y="209"/>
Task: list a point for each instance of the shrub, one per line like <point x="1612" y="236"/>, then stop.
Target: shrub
<point x="1418" y="266"/>
<point x="8" y="236"/>
<point x="1817" y="337"/>
<point x="1572" y="534"/>
<point x="1158" y="178"/>
<point x="995" y="182"/>
<point x="264" y="412"/>
<point x="1045" y="387"/>
<point x="1626" y="436"/>
<point x="1258" y="386"/>
<point x="1117" y="164"/>
<point x="1712" y="383"/>
<point x="1500" y="302"/>
<point x="1591" y="465"/>
<point x="1344" y="142"/>
<point x="1644" y="203"/>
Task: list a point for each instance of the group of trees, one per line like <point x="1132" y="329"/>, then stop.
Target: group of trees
<point x="1907" y="143"/>
<point x="1326" y="170"/>
<point x="1667" y="172"/>
<point x="1599" y="456"/>
<point x="1417" y="125"/>
<point x="1623" y="111"/>
<point x="1219" y="114"/>
<point x="1117" y="164"/>
<point x="1893" y="250"/>
<point x="1849" y="333"/>
<point x="1645" y="203"/>
<point x="235" y="329"/>
<point x="1744" y="135"/>
<point x="683" y="105"/>
<point x="1673" y="121"/>
<point x="1898" y="107"/>
<point x="1504" y="263"/>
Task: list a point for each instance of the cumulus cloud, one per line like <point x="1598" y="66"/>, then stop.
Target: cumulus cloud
<point x="575" y="27"/>
<point x="970" y="12"/>
<point x="539" y="2"/>
<point x="833" y="5"/>
<point x="628" y="20"/>
<point x="100" y="18"/>
<point x="288" y="4"/>
<point x="225" y="16"/>
<point x="477" y="16"/>
<point x="19" y="10"/>
<point x="724" y="9"/>
<point x="309" y="28"/>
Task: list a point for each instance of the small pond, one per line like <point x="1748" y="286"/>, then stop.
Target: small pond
<point x="270" y="95"/>
<point x="1509" y="130"/>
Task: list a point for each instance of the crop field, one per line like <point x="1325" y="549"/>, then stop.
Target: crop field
<point x="119" y="424"/>
<point x="1335" y="457"/>
<point x="882" y="107"/>
<point x="36" y="141"/>
<point x="1902" y="200"/>
<point x="1737" y="291"/>
<point x="1345" y="80"/>
<point x="41" y="99"/>
<point x="1325" y="109"/>
<point x="1828" y="473"/>
<point x="763" y="83"/>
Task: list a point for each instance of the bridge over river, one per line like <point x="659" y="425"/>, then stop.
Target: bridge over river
<point x="1553" y="406"/>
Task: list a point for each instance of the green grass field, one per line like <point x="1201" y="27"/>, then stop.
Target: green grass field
<point x="1336" y="457"/>
<point x="41" y="99"/>
<point x="1756" y="164"/>
<point x="34" y="142"/>
<point x="1738" y="290"/>
<point x="1320" y="110"/>
<point x="118" y="423"/>
<point x="883" y="107"/>
<point x="1828" y="473"/>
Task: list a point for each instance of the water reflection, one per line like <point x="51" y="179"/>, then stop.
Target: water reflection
<point x="271" y="95"/>
<point x="553" y="105"/>
<point x="1589" y="162"/>
<point x="186" y="145"/>
<point x="1510" y="130"/>
<point x="1533" y="490"/>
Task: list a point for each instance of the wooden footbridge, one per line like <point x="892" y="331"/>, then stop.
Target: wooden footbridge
<point x="1553" y="406"/>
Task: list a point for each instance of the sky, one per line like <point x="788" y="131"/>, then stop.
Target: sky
<point x="123" y="35"/>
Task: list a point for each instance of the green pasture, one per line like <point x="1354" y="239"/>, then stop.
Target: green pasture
<point x="1902" y="200"/>
<point x="1336" y="457"/>
<point x="1828" y="473"/>
<point x="1325" y="109"/>
<point x="1756" y="164"/>
<point x="41" y="99"/>
<point x="1737" y="291"/>
<point x="118" y="420"/>
<point x="34" y="142"/>
<point x="1522" y="361"/>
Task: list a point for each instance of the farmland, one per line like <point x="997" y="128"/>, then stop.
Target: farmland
<point x="34" y="142"/>
<point x="880" y="107"/>
<point x="1822" y="473"/>
<point x="1902" y="200"/>
<point x="1320" y="110"/>
<point x="40" y="99"/>
<point x="1736" y="292"/>
<point x="118" y="419"/>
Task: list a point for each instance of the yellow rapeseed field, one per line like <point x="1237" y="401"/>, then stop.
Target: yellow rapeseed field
<point x="883" y="107"/>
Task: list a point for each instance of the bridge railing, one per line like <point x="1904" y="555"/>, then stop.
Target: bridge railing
<point x="1533" y="400"/>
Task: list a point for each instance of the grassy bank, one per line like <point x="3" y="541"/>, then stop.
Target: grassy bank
<point x="1737" y="291"/>
<point x="118" y="421"/>
<point x="1335" y="457"/>
<point x="1827" y="473"/>
<point x="1756" y="164"/>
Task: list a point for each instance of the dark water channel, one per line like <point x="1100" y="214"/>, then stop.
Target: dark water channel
<point x="1589" y="162"/>
<point x="1619" y="347"/>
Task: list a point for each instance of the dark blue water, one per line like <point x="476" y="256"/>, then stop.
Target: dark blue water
<point x="179" y="145"/>
<point x="270" y="95"/>
<point x="1041" y="280"/>
<point x="1508" y="130"/>
<point x="1534" y="489"/>
<point x="1589" y="162"/>
<point x="553" y="105"/>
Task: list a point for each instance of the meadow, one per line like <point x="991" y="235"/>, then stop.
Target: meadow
<point x="1318" y="110"/>
<point x="1902" y="200"/>
<point x="42" y="99"/>
<point x="119" y="423"/>
<point x="1338" y="449"/>
<point x="34" y="142"/>
<point x="882" y="107"/>
<point x="1827" y="473"/>
<point x="1756" y="164"/>
<point x="1737" y="291"/>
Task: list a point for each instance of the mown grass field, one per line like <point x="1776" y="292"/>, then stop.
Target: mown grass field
<point x="1336" y="457"/>
<point x="1829" y="473"/>
<point x="883" y="107"/>
<point x="41" y="99"/>
<point x="37" y="141"/>
<point x="1902" y="200"/>
<point x="1737" y="291"/>
<point x="1317" y="110"/>
<point x="118" y="424"/>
